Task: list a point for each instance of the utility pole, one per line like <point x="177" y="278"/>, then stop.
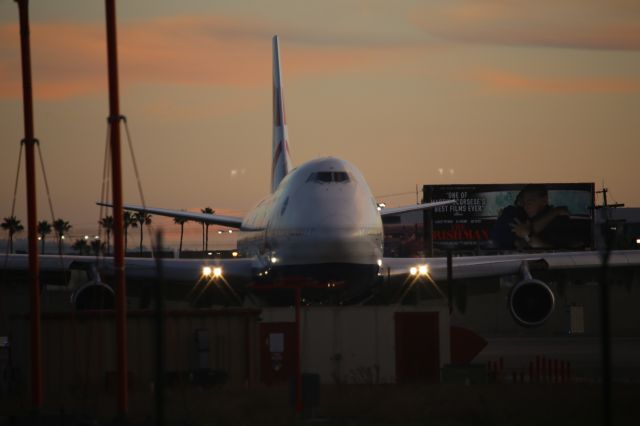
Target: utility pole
<point x="118" y="212"/>
<point x="34" y="269"/>
<point x="605" y="205"/>
<point x="608" y="235"/>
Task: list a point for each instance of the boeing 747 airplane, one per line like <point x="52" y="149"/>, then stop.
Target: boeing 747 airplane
<point x="320" y="225"/>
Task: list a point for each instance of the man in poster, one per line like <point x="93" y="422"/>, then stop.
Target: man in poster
<point x="532" y="223"/>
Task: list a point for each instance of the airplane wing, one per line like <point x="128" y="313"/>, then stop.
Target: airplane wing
<point x="414" y="207"/>
<point x="466" y="267"/>
<point x="531" y="300"/>
<point x="196" y="281"/>
<point x="212" y="219"/>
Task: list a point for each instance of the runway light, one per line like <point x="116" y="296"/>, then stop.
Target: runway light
<point x="217" y="272"/>
<point x="413" y="270"/>
<point x="423" y="269"/>
<point x="207" y="271"/>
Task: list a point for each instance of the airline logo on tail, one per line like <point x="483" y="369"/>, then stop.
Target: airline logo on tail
<point x="281" y="161"/>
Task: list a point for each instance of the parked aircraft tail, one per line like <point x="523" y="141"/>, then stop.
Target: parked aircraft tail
<point x="281" y="160"/>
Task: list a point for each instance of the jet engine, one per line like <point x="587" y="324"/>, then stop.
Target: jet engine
<point x="531" y="301"/>
<point x="93" y="295"/>
<point x="88" y="290"/>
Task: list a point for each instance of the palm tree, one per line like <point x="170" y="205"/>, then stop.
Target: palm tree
<point x="81" y="246"/>
<point x="97" y="246"/>
<point x="142" y="218"/>
<point x="180" y="221"/>
<point x="205" y="235"/>
<point x="107" y="223"/>
<point x="44" y="229"/>
<point x="128" y="221"/>
<point x="13" y="226"/>
<point x="61" y="227"/>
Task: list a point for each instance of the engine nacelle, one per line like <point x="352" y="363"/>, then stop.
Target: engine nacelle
<point x="92" y="296"/>
<point x="531" y="302"/>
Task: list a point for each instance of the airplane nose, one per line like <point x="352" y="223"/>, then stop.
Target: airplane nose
<point x="338" y="220"/>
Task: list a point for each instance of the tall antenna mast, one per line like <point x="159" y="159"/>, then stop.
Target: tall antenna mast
<point x="118" y="212"/>
<point x="29" y="142"/>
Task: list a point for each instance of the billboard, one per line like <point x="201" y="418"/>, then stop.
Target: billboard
<point x="404" y="235"/>
<point x="551" y="216"/>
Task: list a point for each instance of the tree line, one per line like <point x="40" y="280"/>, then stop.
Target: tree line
<point x="61" y="228"/>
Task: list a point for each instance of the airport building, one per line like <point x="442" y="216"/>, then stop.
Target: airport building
<point x="463" y="332"/>
<point x="481" y="305"/>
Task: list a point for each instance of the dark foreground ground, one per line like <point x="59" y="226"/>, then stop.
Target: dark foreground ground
<point x="568" y="404"/>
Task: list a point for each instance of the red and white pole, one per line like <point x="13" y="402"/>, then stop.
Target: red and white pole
<point x="34" y="268"/>
<point x="118" y="219"/>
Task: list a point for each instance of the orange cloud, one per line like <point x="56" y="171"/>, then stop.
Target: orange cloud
<point x="588" y="24"/>
<point x="511" y="81"/>
<point x="69" y="59"/>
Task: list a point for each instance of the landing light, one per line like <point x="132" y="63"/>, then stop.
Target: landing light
<point x="423" y="269"/>
<point x="379" y="262"/>
<point x="234" y="253"/>
<point x="274" y="260"/>
<point x="419" y="270"/>
<point x="215" y="272"/>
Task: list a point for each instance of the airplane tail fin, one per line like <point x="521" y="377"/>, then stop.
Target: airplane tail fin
<point x="281" y="160"/>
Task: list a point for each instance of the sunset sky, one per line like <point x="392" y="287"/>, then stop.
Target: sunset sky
<point x="411" y="92"/>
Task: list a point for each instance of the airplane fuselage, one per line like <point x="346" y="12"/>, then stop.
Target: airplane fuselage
<point x="321" y="224"/>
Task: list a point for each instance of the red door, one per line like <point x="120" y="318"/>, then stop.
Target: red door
<point x="417" y="347"/>
<point x="277" y="351"/>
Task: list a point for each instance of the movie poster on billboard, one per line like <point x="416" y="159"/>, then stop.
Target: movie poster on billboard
<point x="511" y="217"/>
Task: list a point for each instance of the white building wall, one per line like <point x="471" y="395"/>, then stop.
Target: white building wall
<point x="354" y="344"/>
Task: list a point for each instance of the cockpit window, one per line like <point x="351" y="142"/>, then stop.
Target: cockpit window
<point x="327" y="177"/>
<point x="323" y="177"/>
<point x="340" y="177"/>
